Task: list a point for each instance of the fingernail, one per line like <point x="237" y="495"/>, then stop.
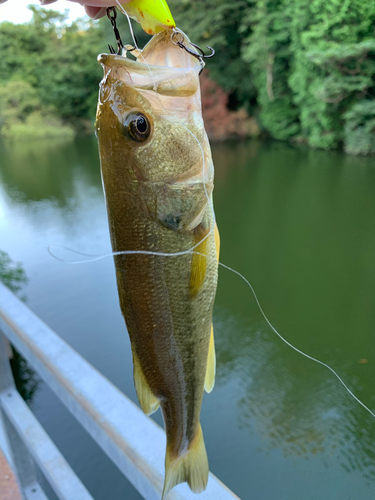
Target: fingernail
<point x="46" y="2"/>
<point x="99" y="15"/>
<point x="95" y="12"/>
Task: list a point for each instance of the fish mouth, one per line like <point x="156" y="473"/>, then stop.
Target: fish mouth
<point x="162" y="66"/>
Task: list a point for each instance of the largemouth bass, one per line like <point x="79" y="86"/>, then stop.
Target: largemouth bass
<point x="158" y="178"/>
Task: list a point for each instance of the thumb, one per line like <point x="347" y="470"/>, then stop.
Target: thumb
<point x="98" y="8"/>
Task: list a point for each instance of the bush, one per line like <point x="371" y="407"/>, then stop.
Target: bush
<point x="37" y="126"/>
<point x="304" y="63"/>
<point x="22" y="116"/>
<point x="360" y="128"/>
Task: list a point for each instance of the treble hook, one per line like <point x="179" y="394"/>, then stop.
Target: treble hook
<point x="200" y="56"/>
<point x="112" y="15"/>
<point x="206" y="56"/>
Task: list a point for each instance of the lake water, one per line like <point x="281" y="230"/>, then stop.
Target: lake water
<point x="300" y="225"/>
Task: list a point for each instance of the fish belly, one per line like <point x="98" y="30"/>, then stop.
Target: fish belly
<point x="169" y="324"/>
<point x="167" y="304"/>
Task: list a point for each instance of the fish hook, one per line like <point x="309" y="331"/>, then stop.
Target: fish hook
<point x="112" y="15"/>
<point x="206" y="56"/>
<point x="200" y="55"/>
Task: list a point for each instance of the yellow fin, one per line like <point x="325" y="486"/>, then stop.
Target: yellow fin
<point x="209" y="381"/>
<point x="217" y="242"/>
<point x="191" y="467"/>
<point x="149" y="403"/>
<point x="198" y="264"/>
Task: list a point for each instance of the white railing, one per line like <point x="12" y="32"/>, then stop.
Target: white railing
<point x="134" y="442"/>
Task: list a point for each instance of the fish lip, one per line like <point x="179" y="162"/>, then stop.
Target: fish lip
<point x="114" y="60"/>
<point x="165" y="80"/>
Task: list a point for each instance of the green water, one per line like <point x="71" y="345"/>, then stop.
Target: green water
<point x="300" y="225"/>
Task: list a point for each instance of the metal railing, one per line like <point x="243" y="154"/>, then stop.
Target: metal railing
<point x="134" y="442"/>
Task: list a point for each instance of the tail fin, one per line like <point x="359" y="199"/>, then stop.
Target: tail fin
<point x="191" y="467"/>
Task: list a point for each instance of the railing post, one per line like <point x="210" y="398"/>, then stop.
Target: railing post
<point x="23" y="465"/>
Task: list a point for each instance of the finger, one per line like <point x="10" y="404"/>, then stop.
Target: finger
<point x="46" y="2"/>
<point x="100" y="3"/>
<point x="95" y="12"/>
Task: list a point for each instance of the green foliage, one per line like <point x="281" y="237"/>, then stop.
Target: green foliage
<point x="304" y="62"/>
<point x="38" y="126"/>
<point x="51" y="68"/>
<point x="17" y="99"/>
<point x="224" y="26"/>
<point x="305" y="68"/>
<point x="360" y="128"/>
<point x="22" y="116"/>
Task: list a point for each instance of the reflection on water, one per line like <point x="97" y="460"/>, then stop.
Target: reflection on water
<point x="42" y="170"/>
<point x="25" y="378"/>
<point x="13" y="275"/>
<point x="298" y="408"/>
<point x="300" y="224"/>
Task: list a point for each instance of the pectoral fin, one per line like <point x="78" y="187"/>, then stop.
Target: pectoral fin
<point x="198" y="263"/>
<point x="149" y="403"/>
<point x="209" y="381"/>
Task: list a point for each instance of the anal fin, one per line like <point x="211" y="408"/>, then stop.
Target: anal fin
<point x="149" y="403"/>
<point x="209" y="381"/>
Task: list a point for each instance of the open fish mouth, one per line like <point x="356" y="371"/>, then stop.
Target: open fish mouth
<point x="167" y="76"/>
<point x="162" y="67"/>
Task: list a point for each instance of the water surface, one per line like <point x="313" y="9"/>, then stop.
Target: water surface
<point x="300" y="225"/>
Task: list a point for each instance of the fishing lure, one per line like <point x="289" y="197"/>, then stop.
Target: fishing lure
<point x="154" y="16"/>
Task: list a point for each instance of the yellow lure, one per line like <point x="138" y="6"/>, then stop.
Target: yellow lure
<point x="153" y="15"/>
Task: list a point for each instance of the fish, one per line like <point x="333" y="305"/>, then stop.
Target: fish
<point x="158" y="174"/>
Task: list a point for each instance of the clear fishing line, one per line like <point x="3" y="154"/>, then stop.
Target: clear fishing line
<point x="291" y="345"/>
<point x="95" y="258"/>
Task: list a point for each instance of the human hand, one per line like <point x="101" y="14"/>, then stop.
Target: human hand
<point x="154" y="17"/>
<point x="94" y="8"/>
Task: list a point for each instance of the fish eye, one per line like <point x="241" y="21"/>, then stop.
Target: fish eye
<point x="137" y="126"/>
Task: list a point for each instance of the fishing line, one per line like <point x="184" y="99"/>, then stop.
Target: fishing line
<point x="291" y="345"/>
<point x="94" y="258"/>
